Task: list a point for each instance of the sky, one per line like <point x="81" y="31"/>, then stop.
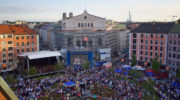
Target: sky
<point x="118" y="10"/>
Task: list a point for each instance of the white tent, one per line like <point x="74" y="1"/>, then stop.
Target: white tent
<point x="138" y="68"/>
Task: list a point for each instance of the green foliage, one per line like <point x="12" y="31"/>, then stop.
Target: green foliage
<point x="10" y="79"/>
<point x="134" y="61"/>
<point x="179" y="21"/>
<point x="155" y="64"/>
<point x="86" y="65"/>
<point x="178" y="73"/>
<point x="58" y="66"/>
<point x="33" y="71"/>
<point x="135" y="74"/>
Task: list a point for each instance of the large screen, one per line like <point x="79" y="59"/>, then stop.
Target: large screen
<point x="78" y="59"/>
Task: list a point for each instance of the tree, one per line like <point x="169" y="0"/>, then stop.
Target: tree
<point x="10" y="79"/>
<point x="155" y="64"/>
<point x="58" y="66"/>
<point x="86" y="65"/>
<point x="179" y="21"/>
<point x="134" y="61"/>
<point x="33" y="71"/>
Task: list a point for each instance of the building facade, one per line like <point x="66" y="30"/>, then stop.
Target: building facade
<point x="14" y="40"/>
<point x="87" y="33"/>
<point x="174" y="47"/>
<point x="150" y="40"/>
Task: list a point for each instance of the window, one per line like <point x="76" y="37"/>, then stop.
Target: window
<point x="78" y="43"/>
<point x="27" y="43"/>
<point x="27" y="37"/>
<point x="156" y="41"/>
<point x="17" y="38"/>
<point x="145" y="58"/>
<point x="146" y="41"/>
<point x="85" y="17"/>
<point x="174" y="49"/>
<point x="175" y="42"/>
<point x="174" y="55"/>
<point x="134" y="52"/>
<point x="142" y="35"/>
<point x="150" y="53"/>
<point x="134" y="35"/>
<point x="84" y="24"/>
<point x="32" y="49"/>
<point x="90" y="43"/>
<point x="141" y="52"/>
<point x="169" y="48"/>
<point x="9" y="42"/>
<point x="156" y="54"/>
<point x="156" y="48"/>
<point x="161" y="35"/>
<point x="161" y="48"/>
<point x="151" y="47"/>
<point x="17" y="44"/>
<point x="146" y="53"/>
<point x="88" y="25"/>
<point x="169" y="55"/>
<point x="9" y="36"/>
<point x="79" y="25"/>
<point x="91" y="24"/>
<point x="146" y="35"/>
<point x="22" y="50"/>
<point x="151" y="35"/>
<point x="4" y="61"/>
<point x="22" y="37"/>
<point x="3" y="42"/>
<point x="141" y="41"/>
<point x="4" y="49"/>
<point x="27" y="49"/>
<point x="32" y="43"/>
<point x="69" y="42"/>
<point x="84" y="43"/>
<point x="178" y="36"/>
<point x="178" y="42"/>
<point x="32" y="37"/>
<point x="141" y="46"/>
<point x="141" y="58"/>
<point x="10" y="48"/>
<point x="4" y="55"/>
<point x="151" y="41"/>
<point x="10" y="54"/>
<point x="100" y="42"/>
<point x="22" y="44"/>
<point x="134" y="40"/>
<point x="146" y="47"/>
<point x="178" y="56"/>
<point x="17" y="50"/>
<point x="134" y="46"/>
<point x="169" y="61"/>
<point x="156" y="35"/>
<point x="170" y="42"/>
<point x="160" y="54"/>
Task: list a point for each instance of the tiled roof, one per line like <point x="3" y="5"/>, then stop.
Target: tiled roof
<point x="15" y="29"/>
<point x="154" y="27"/>
<point x="4" y="29"/>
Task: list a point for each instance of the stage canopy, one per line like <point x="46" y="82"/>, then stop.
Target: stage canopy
<point x="40" y="54"/>
<point x="69" y="84"/>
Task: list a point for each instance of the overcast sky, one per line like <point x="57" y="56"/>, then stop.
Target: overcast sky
<point x="51" y="10"/>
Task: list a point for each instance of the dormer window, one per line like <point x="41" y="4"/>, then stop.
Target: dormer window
<point x="85" y="17"/>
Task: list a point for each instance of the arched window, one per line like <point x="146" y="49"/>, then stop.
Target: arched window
<point x="100" y="42"/>
<point x="88" y="25"/>
<point x="81" y="24"/>
<point x="91" y="24"/>
<point x="78" y="43"/>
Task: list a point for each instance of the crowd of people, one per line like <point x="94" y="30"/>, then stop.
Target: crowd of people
<point x="86" y="83"/>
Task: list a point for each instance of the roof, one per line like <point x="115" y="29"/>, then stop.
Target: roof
<point x="6" y="91"/>
<point x="40" y="54"/>
<point x="4" y="29"/>
<point x="19" y="29"/>
<point x="176" y="28"/>
<point x="15" y="29"/>
<point x="155" y="27"/>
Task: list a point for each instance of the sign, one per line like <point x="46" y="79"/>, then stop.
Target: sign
<point x="105" y="53"/>
<point x="86" y="38"/>
<point x="4" y="66"/>
<point x="122" y="60"/>
<point x="107" y="65"/>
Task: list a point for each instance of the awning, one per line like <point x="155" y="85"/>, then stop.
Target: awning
<point x="40" y="54"/>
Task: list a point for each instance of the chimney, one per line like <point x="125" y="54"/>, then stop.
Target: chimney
<point x="70" y="15"/>
<point x="64" y="16"/>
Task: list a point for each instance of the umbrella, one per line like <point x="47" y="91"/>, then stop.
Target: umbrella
<point x="150" y="74"/>
<point x="69" y="83"/>
<point x="125" y="72"/>
<point x="118" y="71"/>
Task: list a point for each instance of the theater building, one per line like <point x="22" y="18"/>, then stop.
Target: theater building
<point x="84" y="36"/>
<point x="15" y="39"/>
